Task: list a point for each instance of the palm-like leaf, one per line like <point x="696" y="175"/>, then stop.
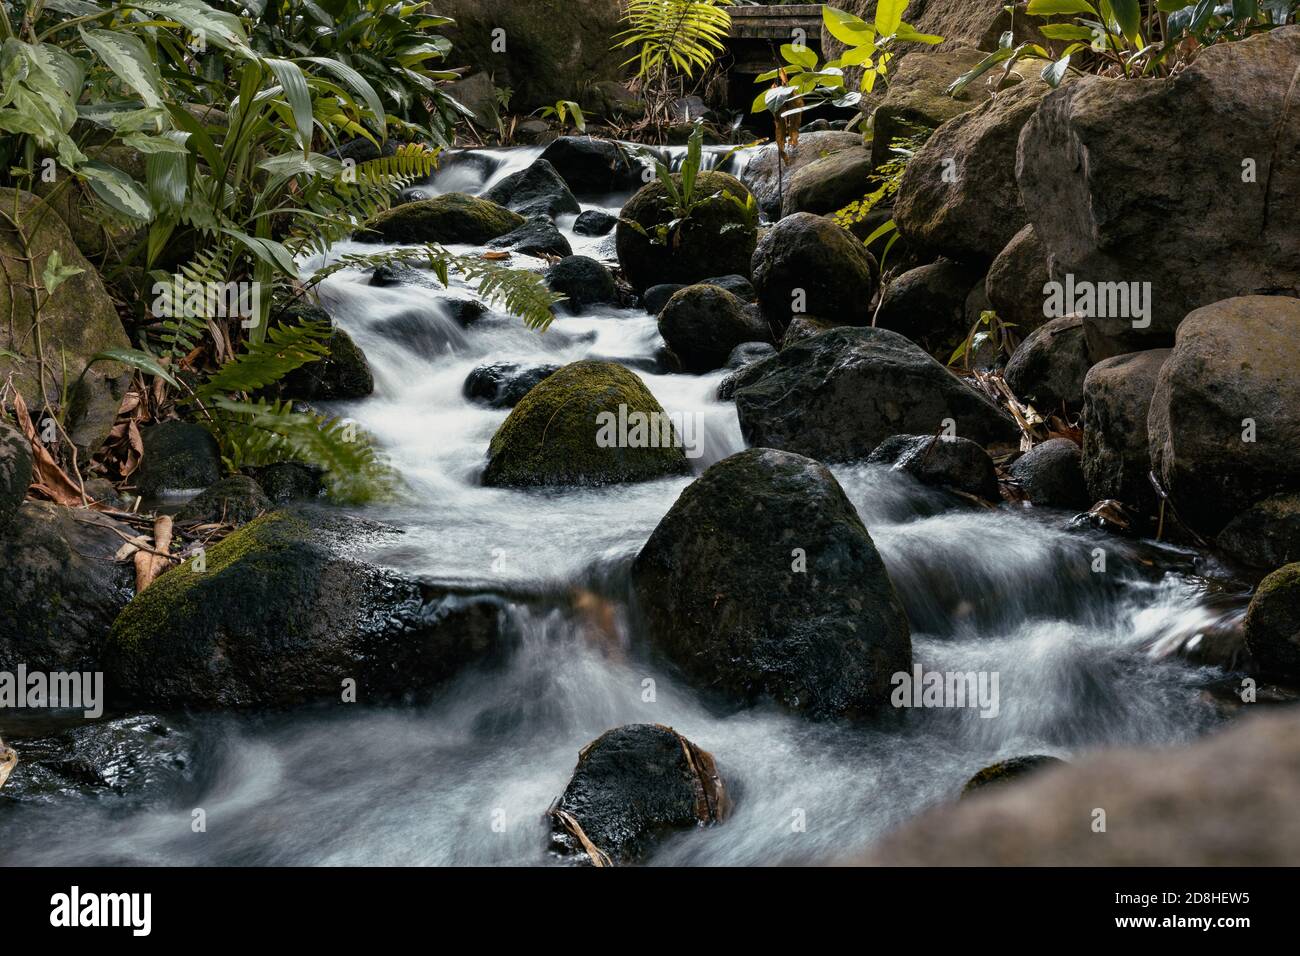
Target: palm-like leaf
<point x="684" y="34"/>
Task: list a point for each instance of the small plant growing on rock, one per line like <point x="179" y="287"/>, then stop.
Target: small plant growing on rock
<point x="561" y="113"/>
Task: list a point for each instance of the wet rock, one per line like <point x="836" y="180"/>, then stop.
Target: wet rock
<point x="747" y="353"/>
<point x="838" y="395"/>
<point x="717" y="238"/>
<point x="928" y="305"/>
<point x="1273" y="624"/>
<point x="537" y="237"/>
<point x="761" y="581"/>
<point x="342" y="374"/>
<point x="391" y="274"/>
<point x="703" y="324"/>
<point x="1016" y="279"/>
<point x="974" y="218"/>
<point x="15" y="470"/>
<point x="808" y="264"/>
<point x="1199" y="232"/>
<point x="631" y="786"/>
<point x="594" y="167"/>
<point x="956" y="463"/>
<point x="1047" y="369"/>
<point x="503" y="384"/>
<point x="738" y="286"/>
<point x="1224" y="801"/>
<point x="1116" y="398"/>
<point x="804" y="327"/>
<point x="288" y="481"/>
<point x="61" y="588"/>
<point x="657" y="296"/>
<point x="1267" y="534"/>
<point x="178" y="456"/>
<point x="916" y="99"/>
<point x="449" y="218"/>
<point x="1225" y="417"/>
<point x="559" y="433"/>
<point x="585" y="281"/>
<point x="76" y="322"/>
<point x="766" y="176"/>
<point x="536" y="191"/>
<point x="1011" y="770"/>
<point x="593" y="222"/>
<point x="826" y="186"/>
<point x="137" y="757"/>
<point x="1051" y="475"/>
<point x="298" y="617"/>
<point x="234" y="500"/>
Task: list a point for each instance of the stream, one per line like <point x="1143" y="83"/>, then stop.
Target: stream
<point x="467" y="779"/>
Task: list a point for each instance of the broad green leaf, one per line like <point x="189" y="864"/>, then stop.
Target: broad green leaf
<point x="298" y="95"/>
<point x="889" y="14"/>
<point x="1065" y="31"/>
<point x="1047" y="8"/>
<point x="222" y="29"/>
<point x="137" y="360"/>
<point x="56" y="272"/>
<point x="1053" y="73"/>
<point x="800" y="56"/>
<point x="1128" y="14"/>
<point x="847" y="28"/>
<point x="118" y="190"/>
<point x="355" y="82"/>
<point x="125" y="54"/>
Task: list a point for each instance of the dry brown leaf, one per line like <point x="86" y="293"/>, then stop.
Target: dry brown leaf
<point x="48" y="479"/>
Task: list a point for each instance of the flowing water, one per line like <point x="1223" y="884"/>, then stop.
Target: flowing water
<point x="467" y="779"/>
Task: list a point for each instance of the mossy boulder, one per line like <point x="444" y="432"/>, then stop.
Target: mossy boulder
<point x="280" y="615"/>
<point x="703" y="325"/>
<point x="450" y="218"/>
<point x="76" y="322"/>
<point x="178" y="456"/>
<point x="718" y="238"/>
<point x="234" y="500"/>
<point x="811" y="265"/>
<point x="555" y="435"/>
<point x="1273" y="624"/>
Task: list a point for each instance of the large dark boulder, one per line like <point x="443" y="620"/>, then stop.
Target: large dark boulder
<point x="594" y="167"/>
<point x="1016" y="280"/>
<point x="808" y="264"/>
<point x="61" y="588"/>
<point x="1221" y="219"/>
<point x="297" y="618"/>
<point x="956" y="463"/>
<point x="536" y="237"/>
<point x="633" y="785"/>
<point x="15" y="470"/>
<point x="1272" y="626"/>
<point x="959" y="197"/>
<point x="594" y="222"/>
<point x="178" y="456"/>
<point x="584" y="281"/>
<point x="557" y="434"/>
<point x="503" y="384"/>
<point x="703" y="324"/>
<point x="928" y="305"/>
<point x="717" y="238"/>
<point x="1267" y="534"/>
<point x="916" y="100"/>
<point x="768" y="177"/>
<point x="1051" y="475"/>
<point x="761" y="581"/>
<point x="450" y="218"/>
<point x="826" y="186"/>
<point x="536" y="191"/>
<point x="1116" y="399"/>
<point x="1047" y="369"/>
<point x="1225" y="417"/>
<point x="838" y="395"/>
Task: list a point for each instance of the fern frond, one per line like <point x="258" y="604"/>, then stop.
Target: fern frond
<point x="285" y="348"/>
<point x="687" y="34"/>
<point x="185" y="323"/>
<point x="264" y="432"/>
<point x="517" y="291"/>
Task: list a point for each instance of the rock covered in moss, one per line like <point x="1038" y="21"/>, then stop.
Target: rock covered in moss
<point x="449" y="218"/>
<point x="288" y="480"/>
<point x="703" y="324"/>
<point x="178" y="456"/>
<point x="631" y="786"/>
<point x="234" y="500"/>
<point x="584" y="282"/>
<point x="1273" y="623"/>
<point x="279" y="615"/>
<point x="15" y="470"/>
<point x="565" y="431"/>
<point x="828" y="185"/>
<point x="811" y="265"/>
<point x="717" y="238"/>
<point x="1005" y="771"/>
<point x="61" y="588"/>
<point x="761" y="581"/>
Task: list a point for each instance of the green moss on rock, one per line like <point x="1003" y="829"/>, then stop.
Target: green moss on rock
<point x="453" y="217"/>
<point x="551" y="437"/>
<point x="1273" y="623"/>
<point x="717" y="239"/>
